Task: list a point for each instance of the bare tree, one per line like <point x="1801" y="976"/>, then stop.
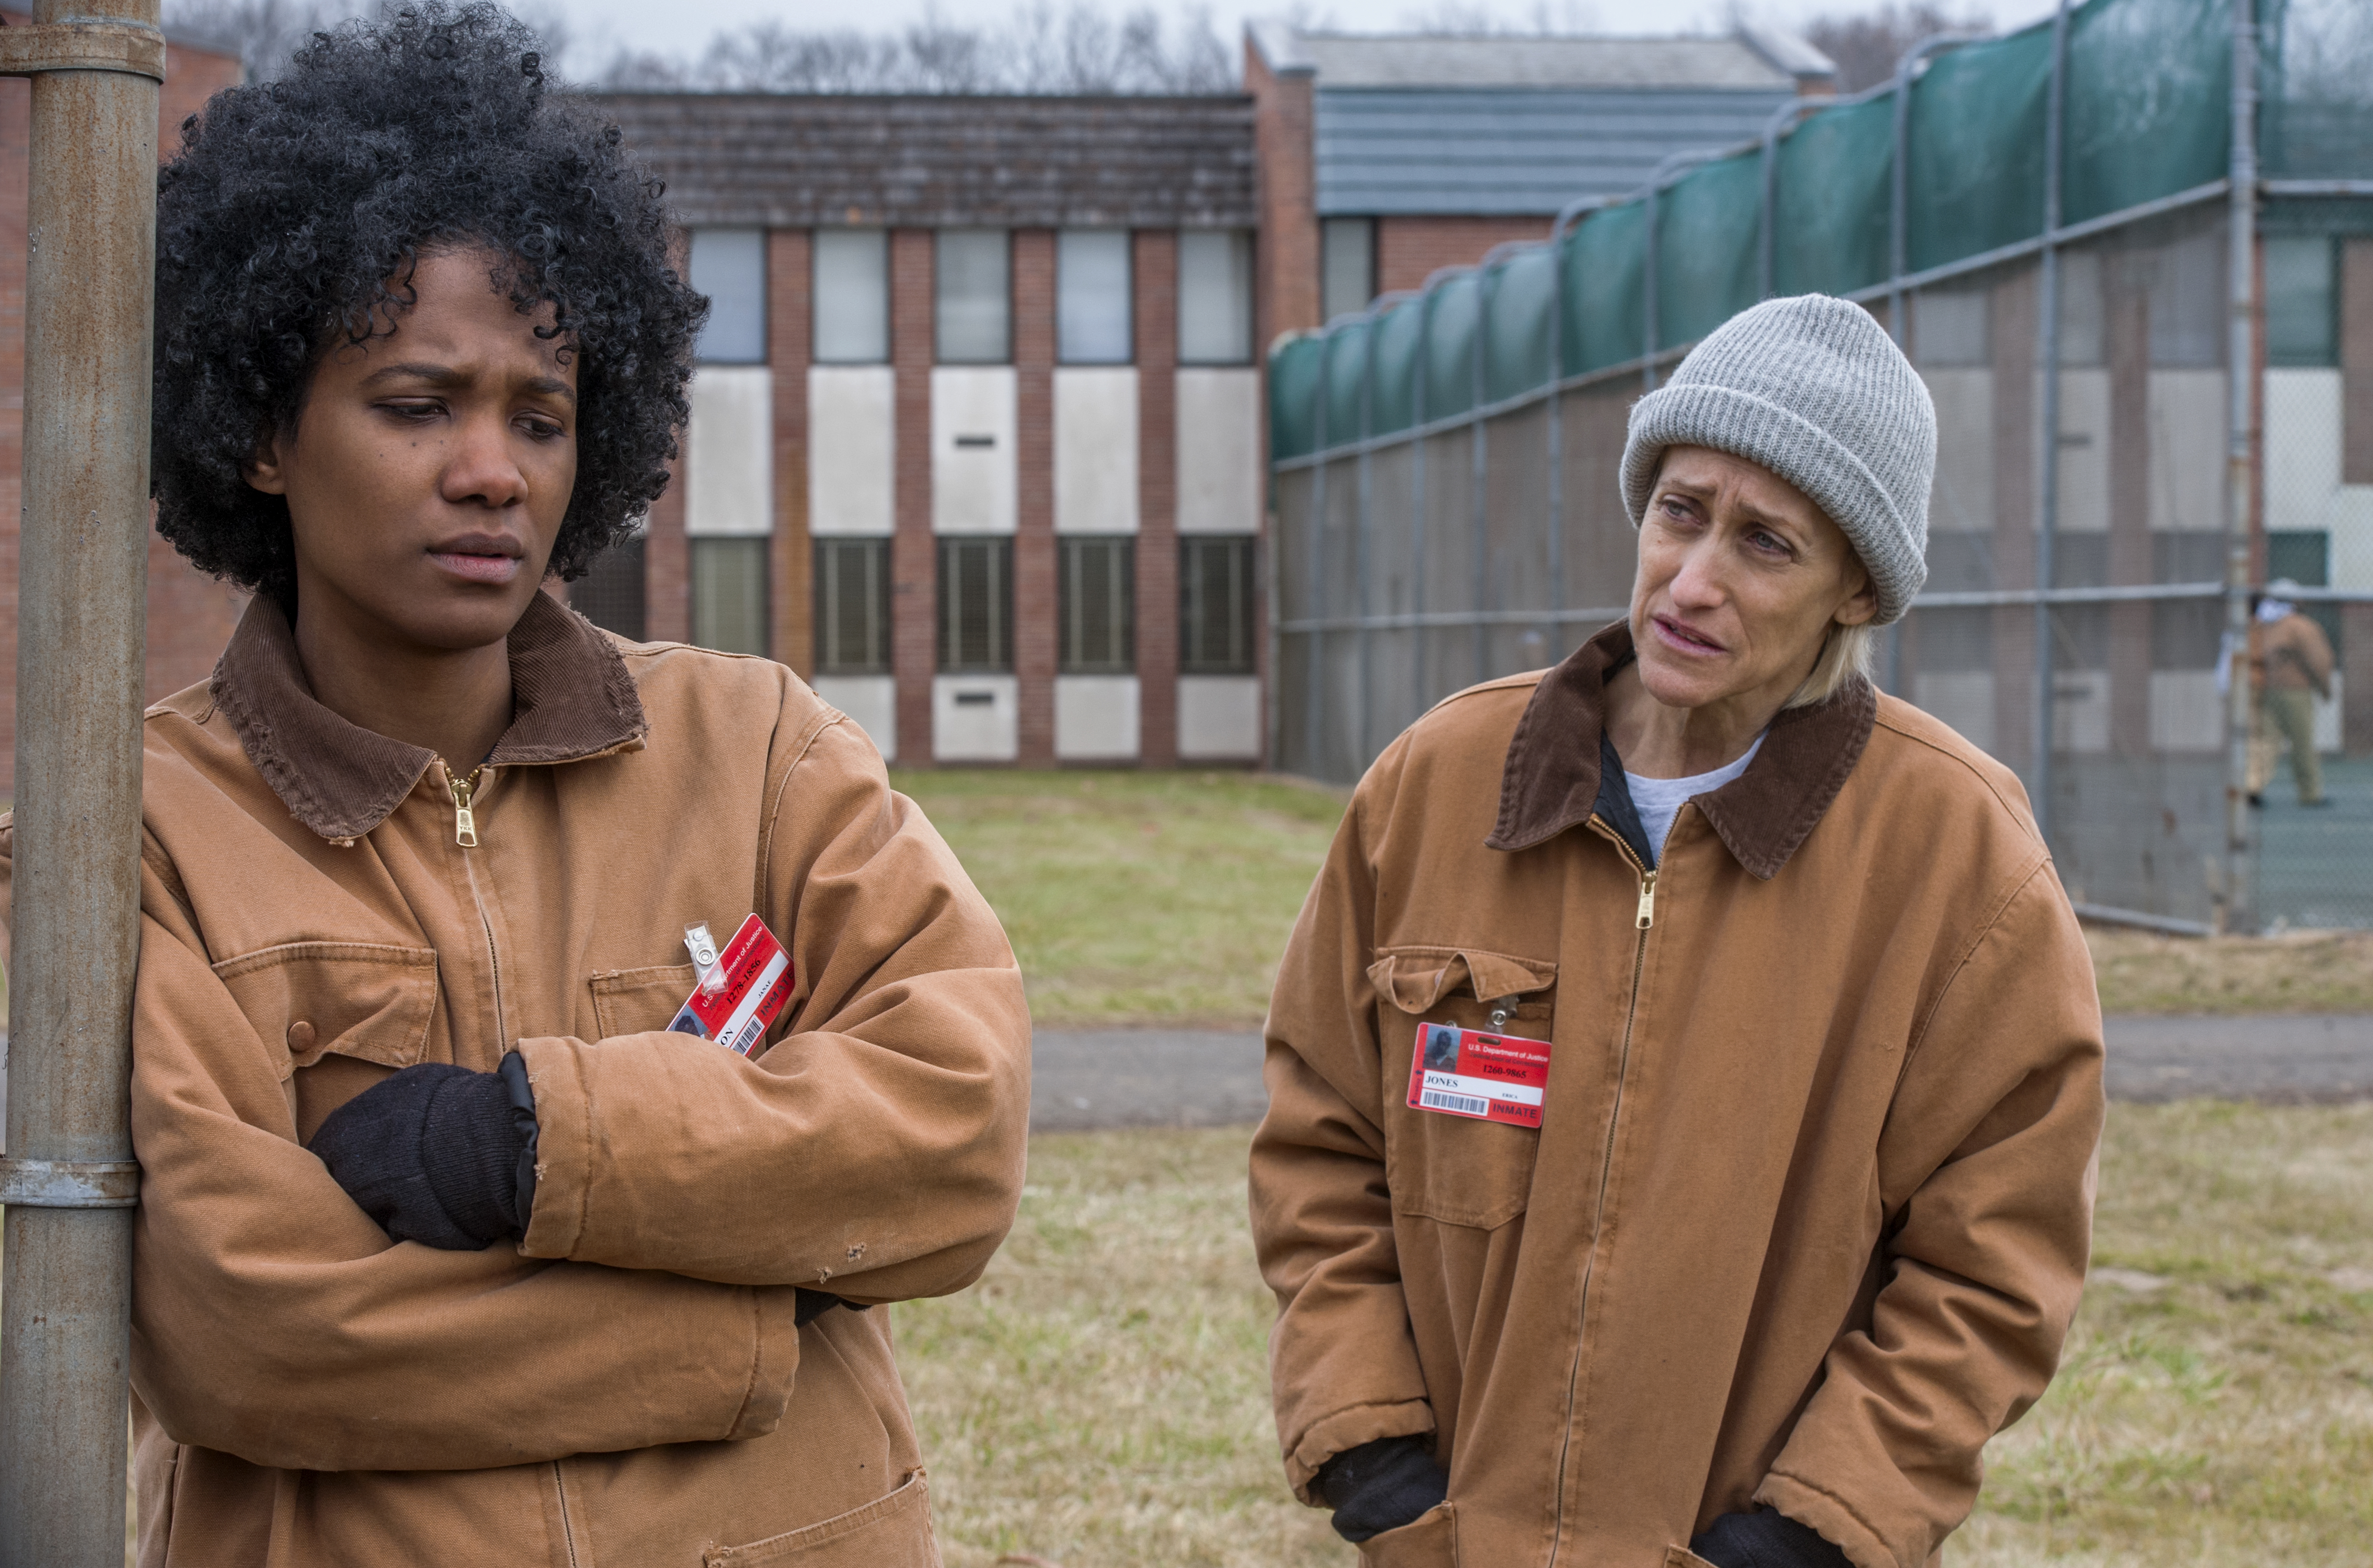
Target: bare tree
<point x="1866" y="44"/>
<point x="1038" y="50"/>
<point x="265" y="34"/>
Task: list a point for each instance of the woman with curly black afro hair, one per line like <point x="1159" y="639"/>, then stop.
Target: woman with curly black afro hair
<point x="491" y="1202"/>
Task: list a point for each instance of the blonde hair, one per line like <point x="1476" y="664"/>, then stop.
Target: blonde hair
<point x="1850" y="652"/>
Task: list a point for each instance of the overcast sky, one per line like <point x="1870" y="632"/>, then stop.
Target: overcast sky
<point x="682" y="27"/>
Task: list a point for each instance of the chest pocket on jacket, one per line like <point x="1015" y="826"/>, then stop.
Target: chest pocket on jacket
<point x="636" y="1001"/>
<point x="1453" y="1168"/>
<point x="369" y="1001"/>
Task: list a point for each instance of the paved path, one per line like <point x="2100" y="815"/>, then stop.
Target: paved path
<point x="1100" y="1077"/>
<point x="1086" y="1078"/>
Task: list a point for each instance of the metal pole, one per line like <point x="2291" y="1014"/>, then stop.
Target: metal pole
<point x="68" y="1179"/>
<point x="1314" y="642"/>
<point x="1364" y="706"/>
<point x="1421" y="568"/>
<point x="1479" y="453"/>
<point x="1898" y="219"/>
<point x="1566" y="218"/>
<point x="2047" y="517"/>
<point x="2239" y="480"/>
<point x="1649" y="260"/>
<point x="1768" y="216"/>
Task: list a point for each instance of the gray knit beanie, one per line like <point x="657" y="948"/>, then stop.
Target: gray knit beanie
<point x="1814" y="390"/>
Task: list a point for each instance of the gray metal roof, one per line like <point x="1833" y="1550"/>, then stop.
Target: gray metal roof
<point x="1429" y="151"/>
<point x="797" y="160"/>
<point x="1751" y="56"/>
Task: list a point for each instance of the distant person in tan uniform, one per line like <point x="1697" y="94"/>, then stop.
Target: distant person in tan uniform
<point x="2290" y="662"/>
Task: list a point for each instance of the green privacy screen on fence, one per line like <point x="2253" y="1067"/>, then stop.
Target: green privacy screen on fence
<point x="2147" y="85"/>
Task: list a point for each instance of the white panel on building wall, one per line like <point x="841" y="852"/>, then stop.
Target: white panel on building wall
<point x="2083" y="451"/>
<point x="873" y="701"/>
<point x="2080" y="710"/>
<point x="2303" y="487"/>
<point x="976" y="719"/>
<point x="2187" y="714"/>
<point x="2187" y="451"/>
<point x="1095" y="717"/>
<point x="1962" y="698"/>
<point x="1218" y="452"/>
<point x="729" y="452"/>
<point x="972" y="449"/>
<point x="1095" y="451"/>
<point x="1219" y="718"/>
<point x="852" y="449"/>
<point x="1963" y="501"/>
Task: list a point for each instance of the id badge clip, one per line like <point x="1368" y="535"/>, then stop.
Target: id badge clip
<point x="742" y="988"/>
<point x="1488" y="1077"/>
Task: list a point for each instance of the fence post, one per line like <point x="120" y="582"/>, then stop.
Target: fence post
<point x="68" y="1179"/>
<point x="2047" y="516"/>
<point x="1768" y="216"/>
<point x="2240" y="481"/>
<point x="1478" y="452"/>
<point x="1313" y="592"/>
<point x="1898" y="224"/>
<point x="1566" y="218"/>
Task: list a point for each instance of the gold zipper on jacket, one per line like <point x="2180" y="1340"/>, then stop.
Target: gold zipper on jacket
<point x="1643" y="920"/>
<point x="465" y="833"/>
<point x="462" y="790"/>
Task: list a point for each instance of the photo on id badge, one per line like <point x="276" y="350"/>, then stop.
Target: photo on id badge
<point x="1488" y="1077"/>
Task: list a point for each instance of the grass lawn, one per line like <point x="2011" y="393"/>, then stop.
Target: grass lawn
<point x="1147" y="898"/>
<point x="1100" y="1399"/>
<point x="1151" y="898"/>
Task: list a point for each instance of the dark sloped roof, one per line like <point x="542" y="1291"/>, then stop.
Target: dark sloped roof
<point x="797" y="160"/>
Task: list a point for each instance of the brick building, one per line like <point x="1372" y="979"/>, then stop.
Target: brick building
<point x="190" y="616"/>
<point x="1385" y="157"/>
<point x="978" y="441"/>
<point x="975" y="441"/>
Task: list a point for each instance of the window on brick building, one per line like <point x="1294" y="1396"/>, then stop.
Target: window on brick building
<point x="852" y="607"/>
<point x="1215" y="297"/>
<point x="974" y="274"/>
<point x="729" y="266"/>
<point x="1092" y="322"/>
<point x="975" y="603"/>
<point x="1347" y="265"/>
<point x="729" y="594"/>
<point x="611" y="596"/>
<point x="1215" y="605"/>
<point x="852" y="297"/>
<point x="2302" y="300"/>
<point x="1095" y="589"/>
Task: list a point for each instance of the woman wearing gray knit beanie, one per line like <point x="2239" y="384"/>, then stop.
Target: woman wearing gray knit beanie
<point x="1685" y="1074"/>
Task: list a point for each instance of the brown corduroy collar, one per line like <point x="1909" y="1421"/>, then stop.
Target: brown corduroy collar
<point x="571" y="698"/>
<point x="1551" y="780"/>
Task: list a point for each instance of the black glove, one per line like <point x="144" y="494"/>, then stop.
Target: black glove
<point x="1766" y="1540"/>
<point x="808" y="1306"/>
<point x="1381" y="1486"/>
<point x="439" y="1154"/>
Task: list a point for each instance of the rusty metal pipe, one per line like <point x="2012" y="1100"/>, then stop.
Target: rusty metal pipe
<point x="64" y="1317"/>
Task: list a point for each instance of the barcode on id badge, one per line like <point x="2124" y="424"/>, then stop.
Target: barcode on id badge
<point x="1465" y="1104"/>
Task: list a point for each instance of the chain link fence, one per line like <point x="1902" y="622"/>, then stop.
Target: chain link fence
<point x="2047" y="223"/>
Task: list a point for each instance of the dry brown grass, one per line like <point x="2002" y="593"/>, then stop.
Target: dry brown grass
<point x="1100" y="1400"/>
<point x="2304" y="972"/>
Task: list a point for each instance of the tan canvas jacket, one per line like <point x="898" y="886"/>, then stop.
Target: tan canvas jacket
<point x="626" y="1386"/>
<point x="1809" y="1211"/>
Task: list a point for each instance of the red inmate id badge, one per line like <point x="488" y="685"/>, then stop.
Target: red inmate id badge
<point x="740" y="990"/>
<point x="1488" y="1077"/>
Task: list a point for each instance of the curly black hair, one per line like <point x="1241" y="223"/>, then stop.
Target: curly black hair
<point x="290" y="222"/>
